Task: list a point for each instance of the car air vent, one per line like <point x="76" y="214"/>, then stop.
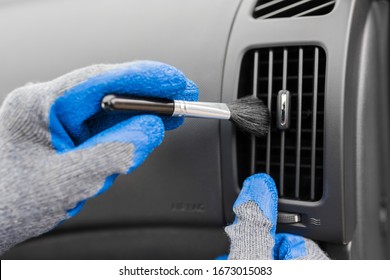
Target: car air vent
<point x="292" y="8"/>
<point x="291" y="81"/>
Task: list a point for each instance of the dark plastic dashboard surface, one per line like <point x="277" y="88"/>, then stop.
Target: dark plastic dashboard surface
<point x="176" y="204"/>
<point x="180" y="184"/>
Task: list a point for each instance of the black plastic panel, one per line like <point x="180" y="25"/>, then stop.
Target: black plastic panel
<point x="332" y="218"/>
<point x="149" y="243"/>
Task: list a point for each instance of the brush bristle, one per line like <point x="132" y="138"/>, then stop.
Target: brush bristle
<point x="250" y="115"/>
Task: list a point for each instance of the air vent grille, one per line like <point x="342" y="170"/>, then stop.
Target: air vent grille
<point x="292" y="8"/>
<point x="294" y="156"/>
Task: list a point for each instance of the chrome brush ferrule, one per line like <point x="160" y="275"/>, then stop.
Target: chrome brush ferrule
<point x="201" y="110"/>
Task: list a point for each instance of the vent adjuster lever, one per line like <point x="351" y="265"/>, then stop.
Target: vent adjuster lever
<point x="283" y="110"/>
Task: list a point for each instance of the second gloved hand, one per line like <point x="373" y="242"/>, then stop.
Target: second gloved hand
<point x="58" y="148"/>
<point x="253" y="233"/>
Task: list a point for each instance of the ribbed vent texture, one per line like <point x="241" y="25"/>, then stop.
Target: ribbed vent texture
<point x="292" y="8"/>
<point x="293" y="156"/>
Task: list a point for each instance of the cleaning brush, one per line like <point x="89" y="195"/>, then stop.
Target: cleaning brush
<point x="248" y="113"/>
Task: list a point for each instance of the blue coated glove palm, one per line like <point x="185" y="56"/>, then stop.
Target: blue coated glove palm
<point x="58" y="148"/>
<point x="253" y="233"/>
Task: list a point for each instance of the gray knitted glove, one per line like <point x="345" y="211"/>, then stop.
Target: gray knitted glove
<point x="58" y="148"/>
<point x="253" y="233"/>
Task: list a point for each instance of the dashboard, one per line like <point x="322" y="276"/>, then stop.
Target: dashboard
<point x="331" y="165"/>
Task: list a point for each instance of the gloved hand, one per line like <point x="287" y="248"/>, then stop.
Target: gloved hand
<point x="58" y="148"/>
<point x="253" y="233"/>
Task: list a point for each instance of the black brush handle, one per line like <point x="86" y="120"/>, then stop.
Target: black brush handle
<point x="117" y="103"/>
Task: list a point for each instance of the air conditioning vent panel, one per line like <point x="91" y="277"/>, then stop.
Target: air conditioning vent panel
<point x="335" y="207"/>
<point x="293" y="157"/>
<point x="266" y="9"/>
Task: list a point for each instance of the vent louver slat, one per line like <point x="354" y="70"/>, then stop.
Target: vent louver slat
<point x="292" y="156"/>
<point x="265" y="9"/>
<point x="299" y="124"/>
